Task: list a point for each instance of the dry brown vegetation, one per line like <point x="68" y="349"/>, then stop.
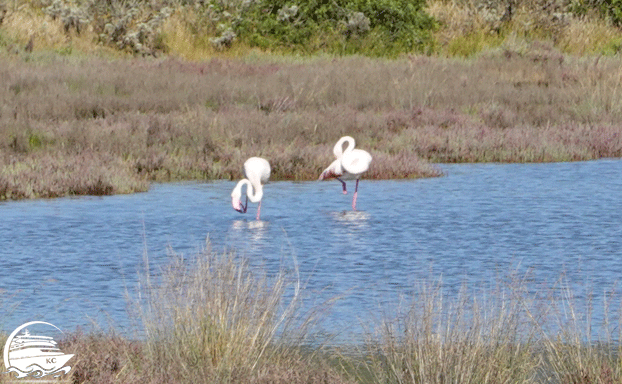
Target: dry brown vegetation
<point x="71" y="125"/>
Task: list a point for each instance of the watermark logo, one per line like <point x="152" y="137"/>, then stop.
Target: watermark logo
<point x="35" y="355"/>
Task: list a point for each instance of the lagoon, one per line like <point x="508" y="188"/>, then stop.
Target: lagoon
<point x="73" y="261"/>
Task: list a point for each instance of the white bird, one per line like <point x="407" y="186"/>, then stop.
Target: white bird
<point x="256" y="173"/>
<point x="350" y="164"/>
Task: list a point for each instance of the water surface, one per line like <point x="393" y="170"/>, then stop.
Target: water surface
<point x="71" y="261"/>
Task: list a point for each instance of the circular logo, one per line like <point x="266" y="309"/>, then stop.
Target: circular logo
<point x="35" y="354"/>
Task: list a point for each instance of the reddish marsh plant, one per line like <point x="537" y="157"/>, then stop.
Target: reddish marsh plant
<point x="171" y="120"/>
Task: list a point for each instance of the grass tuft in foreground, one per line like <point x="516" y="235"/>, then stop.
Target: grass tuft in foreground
<point x="582" y="350"/>
<point x="215" y="319"/>
<point x="464" y="339"/>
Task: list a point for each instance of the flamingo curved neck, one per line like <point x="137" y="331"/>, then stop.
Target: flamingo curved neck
<point x="338" y="149"/>
<point x="254" y="192"/>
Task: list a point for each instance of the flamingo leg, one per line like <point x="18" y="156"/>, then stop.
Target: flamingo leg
<point x="345" y="192"/>
<point x="355" y="193"/>
<point x="258" y="209"/>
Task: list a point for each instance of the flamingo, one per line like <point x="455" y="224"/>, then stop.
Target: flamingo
<point x="256" y="173"/>
<point x="350" y="164"/>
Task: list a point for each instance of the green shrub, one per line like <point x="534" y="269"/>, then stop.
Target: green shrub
<point x="4" y="40"/>
<point x="376" y="28"/>
<point x="380" y="27"/>
<point x="610" y="9"/>
<point x="35" y="140"/>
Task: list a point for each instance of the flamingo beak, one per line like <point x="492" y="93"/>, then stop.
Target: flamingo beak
<point x="326" y="175"/>
<point x="237" y="205"/>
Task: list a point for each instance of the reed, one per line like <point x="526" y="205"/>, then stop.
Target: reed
<point x="470" y="338"/>
<point x="215" y="319"/>
<point x="581" y="350"/>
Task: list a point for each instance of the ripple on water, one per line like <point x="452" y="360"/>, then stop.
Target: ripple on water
<point x="72" y="260"/>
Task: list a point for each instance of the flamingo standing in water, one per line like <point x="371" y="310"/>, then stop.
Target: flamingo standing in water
<point x="350" y="164"/>
<point x="256" y="173"/>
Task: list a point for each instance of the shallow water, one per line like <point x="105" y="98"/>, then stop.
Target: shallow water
<point x="71" y="261"/>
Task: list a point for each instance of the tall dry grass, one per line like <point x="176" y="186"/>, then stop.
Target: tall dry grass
<point x="215" y="319"/>
<point x="581" y="349"/>
<point x="467" y="338"/>
<point x="510" y="334"/>
<point x="210" y="318"/>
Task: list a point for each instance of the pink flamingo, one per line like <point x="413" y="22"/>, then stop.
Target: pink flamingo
<point x="256" y="173"/>
<point x="350" y="164"/>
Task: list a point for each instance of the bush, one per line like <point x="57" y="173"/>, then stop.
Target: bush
<point x="380" y="27"/>
<point x="610" y="9"/>
<point x="130" y="26"/>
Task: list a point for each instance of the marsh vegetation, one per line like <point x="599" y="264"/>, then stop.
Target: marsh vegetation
<point x="80" y="116"/>
<point x="80" y="125"/>
<point x="105" y="97"/>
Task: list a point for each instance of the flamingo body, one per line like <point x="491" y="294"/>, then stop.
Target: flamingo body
<point x="256" y="173"/>
<point x="350" y="164"/>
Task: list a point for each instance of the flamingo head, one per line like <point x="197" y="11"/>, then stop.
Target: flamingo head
<point x="327" y="174"/>
<point x="236" y="203"/>
<point x="333" y="170"/>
